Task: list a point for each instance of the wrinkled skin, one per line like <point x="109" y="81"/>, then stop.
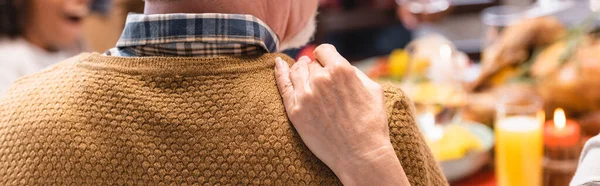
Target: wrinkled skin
<point x="339" y="113"/>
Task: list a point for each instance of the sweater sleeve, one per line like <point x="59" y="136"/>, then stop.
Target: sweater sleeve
<point x="588" y="170"/>
<point x="409" y="144"/>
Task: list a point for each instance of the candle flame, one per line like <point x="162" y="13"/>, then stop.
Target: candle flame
<point x="560" y="119"/>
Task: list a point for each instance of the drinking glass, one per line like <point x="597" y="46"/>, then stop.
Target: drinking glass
<point x="519" y="143"/>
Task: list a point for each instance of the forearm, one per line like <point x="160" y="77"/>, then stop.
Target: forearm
<point x="380" y="167"/>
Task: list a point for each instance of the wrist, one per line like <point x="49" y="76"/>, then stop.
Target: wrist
<point x="379" y="165"/>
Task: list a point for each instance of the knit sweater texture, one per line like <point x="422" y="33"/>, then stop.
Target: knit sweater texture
<point x="101" y="120"/>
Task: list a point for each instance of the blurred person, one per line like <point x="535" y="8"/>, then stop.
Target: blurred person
<point x="365" y="41"/>
<point x="188" y="96"/>
<point x="37" y="33"/>
<point x="380" y="39"/>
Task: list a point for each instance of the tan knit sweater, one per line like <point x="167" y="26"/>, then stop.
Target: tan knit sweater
<point x="99" y="120"/>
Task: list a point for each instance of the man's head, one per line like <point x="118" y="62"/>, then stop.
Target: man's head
<point x="292" y="20"/>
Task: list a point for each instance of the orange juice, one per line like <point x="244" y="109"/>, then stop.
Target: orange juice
<point x="519" y="151"/>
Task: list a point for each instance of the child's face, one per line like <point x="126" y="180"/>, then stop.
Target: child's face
<point x="56" y="24"/>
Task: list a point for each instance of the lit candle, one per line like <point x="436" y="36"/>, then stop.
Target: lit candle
<point x="561" y="132"/>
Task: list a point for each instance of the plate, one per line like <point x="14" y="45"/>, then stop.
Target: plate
<point x="460" y="168"/>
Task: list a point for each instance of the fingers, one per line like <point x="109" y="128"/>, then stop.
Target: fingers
<point x="333" y="62"/>
<point x="314" y="66"/>
<point x="299" y="73"/>
<point x="305" y="59"/>
<point x="284" y="83"/>
<point x="291" y="81"/>
<point x="318" y="76"/>
<point x="327" y="55"/>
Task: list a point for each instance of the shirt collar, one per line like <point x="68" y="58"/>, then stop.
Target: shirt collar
<point x="194" y="35"/>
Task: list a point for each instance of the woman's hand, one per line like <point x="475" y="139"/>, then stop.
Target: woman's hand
<point x="339" y="113"/>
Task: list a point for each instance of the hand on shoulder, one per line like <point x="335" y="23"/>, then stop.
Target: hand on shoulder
<point x="340" y="115"/>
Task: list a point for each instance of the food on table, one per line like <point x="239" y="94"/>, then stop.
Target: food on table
<point x="456" y="142"/>
<point x="481" y="106"/>
<point x="430" y="58"/>
<point x="398" y="63"/>
<point x="548" y="59"/>
<point x="573" y="84"/>
<point x="562" y="66"/>
<point x="503" y="75"/>
<point x="435" y="93"/>
<point x="380" y="69"/>
<point x="434" y="58"/>
<point x="395" y="67"/>
<point x="442" y="100"/>
<point x="430" y="70"/>
<point x="514" y="46"/>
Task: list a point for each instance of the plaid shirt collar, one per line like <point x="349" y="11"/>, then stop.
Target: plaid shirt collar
<point x="205" y="35"/>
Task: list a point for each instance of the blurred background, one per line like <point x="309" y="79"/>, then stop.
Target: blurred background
<point x="506" y="91"/>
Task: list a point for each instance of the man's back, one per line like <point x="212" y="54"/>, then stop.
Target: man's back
<point x="100" y="120"/>
<point x="169" y="120"/>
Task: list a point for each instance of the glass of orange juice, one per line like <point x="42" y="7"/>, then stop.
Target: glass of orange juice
<point x="519" y="147"/>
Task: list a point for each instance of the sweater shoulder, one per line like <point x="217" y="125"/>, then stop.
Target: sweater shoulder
<point x="396" y="98"/>
<point x="410" y="145"/>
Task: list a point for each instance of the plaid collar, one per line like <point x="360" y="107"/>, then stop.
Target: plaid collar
<point x="207" y="34"/>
